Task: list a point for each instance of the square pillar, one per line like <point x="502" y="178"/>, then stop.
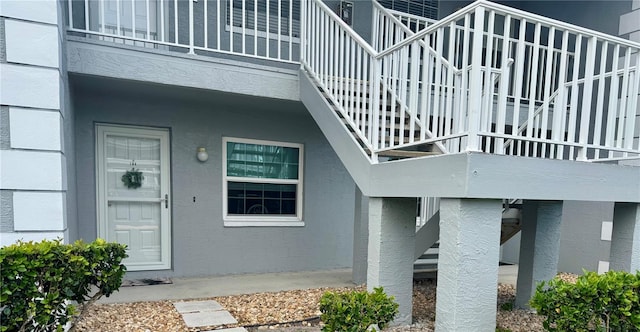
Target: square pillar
<point x="392" y="229"/>
<point x="360" y="238"/>
<point x="625" y="238"/>
<point x="539" y="247"/>
<point x="468" y="264"/>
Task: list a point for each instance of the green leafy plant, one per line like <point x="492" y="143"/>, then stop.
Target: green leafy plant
<point x="39" y="279"/>
<point x="355" y="311"/>
<point x="507" y="306"/>
<point x="607" y="302"/>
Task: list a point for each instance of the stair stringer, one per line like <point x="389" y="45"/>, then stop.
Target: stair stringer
<point x="343" y="143"/>
<point x="427" y="235"/>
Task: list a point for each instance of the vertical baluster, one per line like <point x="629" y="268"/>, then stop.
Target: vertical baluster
<point x="268" y="27"/>
<point x="437" y="84"/>
<point x="547" y="89"/>
<point x="374" y="127"/>
<point x="632" y="114"/>
<point x="560" y="106"/>
<point x="331" y="55"/>
<point x="86" y="16"/>
<point x="575" y="90"/>
<point x="148" y="19"/>
<point x="475" y="98"/>
<point x="322" y="52"/>
<point x="243" y="26"/>
<point x="585" y="113"/>
<point x="622" y="114"/>
<point x="290" y="30"/>
<point x="464" y="105"/>
<point x="426" y="91"/>
<point x="597" y="130"/>
<point x="341" y="73"/>
<point x="448" y="119"/>
<point x="133" y="18"/>
<point x="118" y="13"/>
<point x="352" y="62"/>
<point x="336" y="59"/>
<point x="70" y="3"/>
<point x="162" y="21"/>
<point x="219" y="24"/>
<point x="191" y="28"/>
<point x="414" y="80"/>
<point x="402" y="94"/>
<point x="487" y="110"/>
<point x="206" y="24"/>
<point x="366" y="98"/>
<point x="175" y="21"/>
<point x="375" y="28"/>
<point x="279" y="32"/>
<point x="503" y="88"/>
<point x="360" y="104"/>
<point x="613" y="101"/>
<point x="517" y="90"/>
<point x="255" y="30"/>
<point x="532" y="87"/>
<point x="102" y="18"/>
<point x="394" y="102"/>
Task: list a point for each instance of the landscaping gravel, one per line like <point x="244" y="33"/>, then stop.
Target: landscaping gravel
<point x="284" y="311"/>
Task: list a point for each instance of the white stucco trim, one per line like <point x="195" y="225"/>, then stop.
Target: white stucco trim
<point x="35" y="129"/>
<point x="31" y="170"/>
<point x="11" y="238"/>
<point x="39" y="211"/>
<point x="32" y="43"/>
<point x="29" y="86"/>
<point x="45" y="11"/>
<point x="606" y="230"/>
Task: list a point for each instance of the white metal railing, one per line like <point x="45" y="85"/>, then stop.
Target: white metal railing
<point x="266" y="29"/>
<point x="486" y="78"/>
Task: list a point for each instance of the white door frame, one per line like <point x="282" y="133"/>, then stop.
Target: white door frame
<point x="102" y="130"/>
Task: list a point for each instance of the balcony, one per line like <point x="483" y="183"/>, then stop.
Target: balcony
<point x="487" y="78"/>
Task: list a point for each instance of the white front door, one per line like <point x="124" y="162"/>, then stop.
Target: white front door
<point x="131" y="212"/>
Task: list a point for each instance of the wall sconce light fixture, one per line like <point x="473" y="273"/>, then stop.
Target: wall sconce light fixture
<point x="202" y="154"/>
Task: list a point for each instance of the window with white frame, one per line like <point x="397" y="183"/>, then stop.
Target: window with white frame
<point x="262" y="183"/>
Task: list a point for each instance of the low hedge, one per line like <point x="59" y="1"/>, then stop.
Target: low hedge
<point x="355" y="311"/>
<point x="39" y="279"/>
<point x="607" y="302"/>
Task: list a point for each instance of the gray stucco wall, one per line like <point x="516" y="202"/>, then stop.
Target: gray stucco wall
<point x="580" y="245"/>
<point x="201" y="244"/>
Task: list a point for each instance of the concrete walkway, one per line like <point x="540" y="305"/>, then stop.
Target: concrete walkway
<point x="198" y="288"/>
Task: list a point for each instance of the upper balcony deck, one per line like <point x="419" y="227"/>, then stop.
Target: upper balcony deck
<point x="517" y="84"/>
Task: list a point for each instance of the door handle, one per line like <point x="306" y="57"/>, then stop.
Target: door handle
<point x="166" y="201"/>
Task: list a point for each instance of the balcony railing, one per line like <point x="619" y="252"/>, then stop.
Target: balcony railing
<point x="486" y="78"/>
<point x="266" y="29"/>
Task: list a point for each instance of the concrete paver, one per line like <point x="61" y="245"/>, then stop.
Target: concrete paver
<point x="195" y="306"/>
<point x="234" y="329"/>
<point x="208" y="318"/>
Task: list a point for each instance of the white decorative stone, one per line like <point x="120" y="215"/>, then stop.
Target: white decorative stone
<point x="11" y="238"/>
<point x="31" y="170"/>
<point x="39" y="11"/>
<point x="603" y="267"/>
<point x="35" y="129"/>
<point x="38" y="211"/>
<point x="31" y="43"/>
<point x="605" y="231"/>
<point x="29" y="86"/>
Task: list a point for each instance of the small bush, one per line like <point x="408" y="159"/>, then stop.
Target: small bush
<point x="355" y="311"/>
<point x="608" y="302"/>
<point x="39" y="279"/>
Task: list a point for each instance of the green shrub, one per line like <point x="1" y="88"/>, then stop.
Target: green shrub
<point x="608" y="302"/>
<point x="355" y="311"/>
<point x="39" y="279"/>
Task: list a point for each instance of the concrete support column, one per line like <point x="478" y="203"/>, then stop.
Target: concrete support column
<point x="392" y="229"/>
<point x="539" y="247"/>
<point x="360" y="238"/>
<point x="468" y="264"/>
<point x="625" y="238"/>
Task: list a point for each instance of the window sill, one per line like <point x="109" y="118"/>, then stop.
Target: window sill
<point x="269" y="223"/>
